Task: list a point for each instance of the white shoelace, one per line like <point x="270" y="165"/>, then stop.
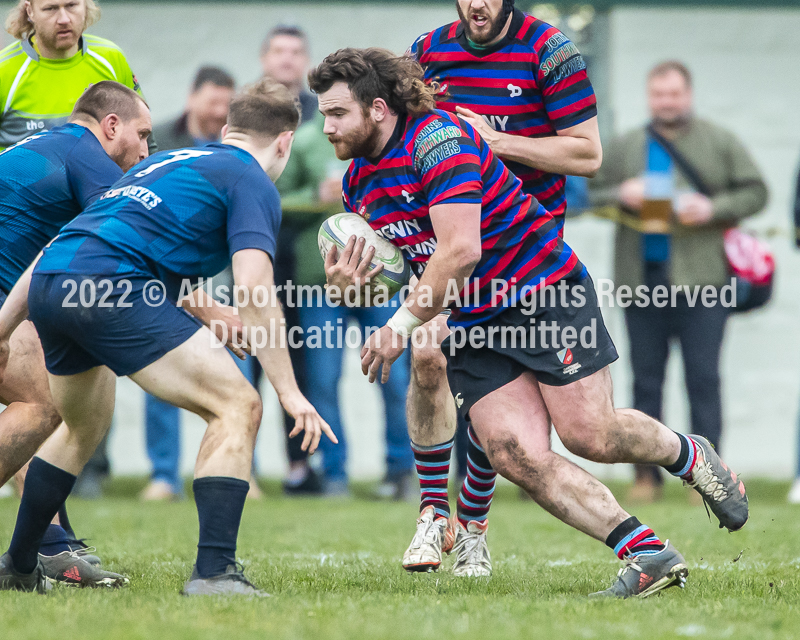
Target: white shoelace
<point x="469" y="548"/>
<point x="708" y="483"/>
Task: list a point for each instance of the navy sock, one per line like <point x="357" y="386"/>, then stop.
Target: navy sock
<point x="46" y="489"/>
<point x="220" y="502"/>
<point x="683" y="465"/>
<point x="54" y="541"/>
<point x="63" y="518"/>
<point x="632" y="538"/>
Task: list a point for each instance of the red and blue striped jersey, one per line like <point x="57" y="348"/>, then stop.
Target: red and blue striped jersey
<point x="531" y="83"/>
<point x="438" y="158"/>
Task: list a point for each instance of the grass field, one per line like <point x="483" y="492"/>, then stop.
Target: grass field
<point x="334" y="570"/>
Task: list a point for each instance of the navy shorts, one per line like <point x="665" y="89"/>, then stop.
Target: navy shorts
<point x="124" y="338"/>
<point x="475" y="371"/>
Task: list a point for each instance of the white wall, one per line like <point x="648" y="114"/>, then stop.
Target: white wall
<point x="745" y="66"/>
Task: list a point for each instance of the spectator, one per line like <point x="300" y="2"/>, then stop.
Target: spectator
<point x="311" y="188"/>
<point x="285" y="57"/>
<point x="640" y="169"/>
<point x="202" y="121"/>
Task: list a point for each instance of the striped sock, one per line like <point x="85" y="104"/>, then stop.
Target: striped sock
<point x="433" y="469"/>
<point x="477" y="491"/>
<point x="632" y="538"/>
<point x="682" y="467"/>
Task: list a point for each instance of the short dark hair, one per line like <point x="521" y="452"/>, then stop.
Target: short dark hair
<point x="106" y="97"/>
<point x="662" y="68"/>
<point x="213" y="75"/>
<point x="265" y="108"/>
<point x="283" y="30"/>
<point x="377" y="73"/>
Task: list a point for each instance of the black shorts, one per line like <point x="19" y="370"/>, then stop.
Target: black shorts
<point x="560" y="343"/>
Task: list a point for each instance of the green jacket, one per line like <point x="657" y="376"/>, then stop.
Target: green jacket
<point x="311" y="162"/>
<point x="697" y="253"/>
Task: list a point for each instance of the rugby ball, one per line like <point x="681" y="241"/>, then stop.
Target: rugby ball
<point x="338" y="229"/>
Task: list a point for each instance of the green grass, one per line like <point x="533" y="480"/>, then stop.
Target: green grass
<point x="335" y="573"/>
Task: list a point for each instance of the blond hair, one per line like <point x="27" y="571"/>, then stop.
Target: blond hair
<point x="19" y="25"/>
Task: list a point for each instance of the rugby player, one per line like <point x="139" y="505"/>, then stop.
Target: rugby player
<point x="183" y="215"/>
<point x="430" y="173"/>
<point x="44" y="73"/>
<point x="523" y="86"/>
<point x="45" y="181"/>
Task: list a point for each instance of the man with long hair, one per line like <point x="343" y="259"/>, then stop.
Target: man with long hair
<point x="46" y="71"/>
<point x="427" y="182"/>
<point x="523" y="85"/>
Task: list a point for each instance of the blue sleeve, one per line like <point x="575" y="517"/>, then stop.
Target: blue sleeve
<point x="254" y="213"/>
<point x="90" y="172"/>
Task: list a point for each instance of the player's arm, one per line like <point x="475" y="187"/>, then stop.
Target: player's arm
<point x="253" y="272"/>
<point x="457" y="227"/>
<point x="574" y="151"/>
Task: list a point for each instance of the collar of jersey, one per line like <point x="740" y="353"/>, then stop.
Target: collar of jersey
<point x="33" y="54"/>
<point x="397" y="136"/>
<point x="479" y="52"/>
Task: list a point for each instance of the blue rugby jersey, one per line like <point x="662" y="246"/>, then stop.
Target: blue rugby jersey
<point x="45" y="181"/>
<point x="438" y="158"/>
<point x="532" y="83"/>
<point x="179" y="214"/>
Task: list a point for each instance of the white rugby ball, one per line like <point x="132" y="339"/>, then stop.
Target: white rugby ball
<point x="338" y="229"/>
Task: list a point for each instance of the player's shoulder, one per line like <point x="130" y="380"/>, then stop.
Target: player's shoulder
<point x="540" y="36"/>
<point x="421" y="128"/>
<point x="431" y="40"/>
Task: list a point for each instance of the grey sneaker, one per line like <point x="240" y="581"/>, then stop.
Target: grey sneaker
<point x="472" y="552"/>
<point x="70" y="569"/>
<point x="722" y="491"/>
<point x="398" y="488"/>
<point x="645" y="575"/>
<point x="83" y="550"/>
<point x="230" y="583"/>
<point x="12" y="580"/>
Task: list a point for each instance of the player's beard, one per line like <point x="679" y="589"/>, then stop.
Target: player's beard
<point x="495" y="27"/>
<point x="361" y="143"/>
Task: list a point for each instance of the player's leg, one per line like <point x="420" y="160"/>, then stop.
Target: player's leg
<point x="30" y="417"/>
<point x="514" y="425"/>
<point x="86" y="401"/>
<point x="431" y="417"/>
<point x="204" y="379"/>
<point x="590" y="426"/>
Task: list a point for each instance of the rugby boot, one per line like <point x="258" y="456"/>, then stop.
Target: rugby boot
<point x="70" y="569"/>
<point x="646" y="574"/>
<point x="472" y="552"/>
<point x="84" y="551"/>
<point x="721" y="490"/>
<point x="433" y="537"/>
<point x="12" y="580"/>
<point x="230" y="583"/>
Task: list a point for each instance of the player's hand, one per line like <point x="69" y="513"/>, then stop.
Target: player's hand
<point x="631" y="193"/>
<point x="694" y="209"/>
<point x="381" y="349"/>
<point x="486" y="132"/>
<point x="351" y="268"/>
<point x="306" y="419"/>
<point x="235" y="329"/>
